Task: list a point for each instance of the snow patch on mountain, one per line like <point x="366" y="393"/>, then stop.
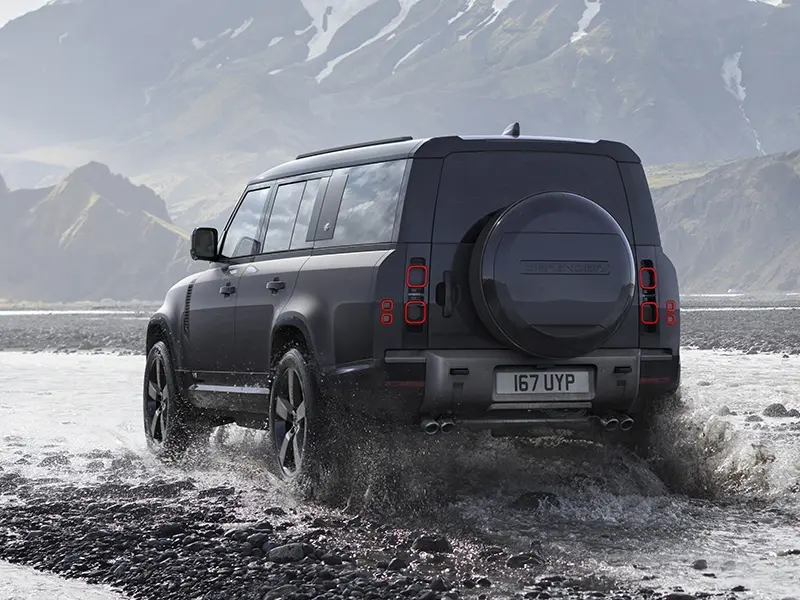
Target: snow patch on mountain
<point x="405" y="8"/>
<point x="732" y="76"/>
<point x="408" y="55"/>
<point x="461" y="13"/>
<point x="275" y="40"/>
<point x="62" y="37"/>
<point x="242" y="28"/>
<point x="199" y="44"/>
<point x="589" y="14"/>
<point x="328" y="17"/>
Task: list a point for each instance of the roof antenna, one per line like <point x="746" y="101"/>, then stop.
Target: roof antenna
<point x="512" y="130"/>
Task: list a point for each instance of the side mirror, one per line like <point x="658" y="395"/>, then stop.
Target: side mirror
<point x="204" y="244"/>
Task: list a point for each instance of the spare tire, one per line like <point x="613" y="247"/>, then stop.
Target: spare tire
<point x="553" y="275"/>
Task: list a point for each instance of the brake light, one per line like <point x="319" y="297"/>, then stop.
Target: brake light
<point x="415" y="309"/>
<point x="387" y="317"/>
<point x="648" y="307"/>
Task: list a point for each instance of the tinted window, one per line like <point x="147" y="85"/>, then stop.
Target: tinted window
<point x="304" y="215"/>
<point x="284" y="213"/>
<point x="368" y="205"/>
<point x="242" y="236"/>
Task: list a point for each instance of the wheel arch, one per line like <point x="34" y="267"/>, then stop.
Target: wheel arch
<point x="158" y="330"/>
<point x="290" y="331"/>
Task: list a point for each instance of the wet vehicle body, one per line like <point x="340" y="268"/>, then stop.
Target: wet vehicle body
<point x="509" y="283"/>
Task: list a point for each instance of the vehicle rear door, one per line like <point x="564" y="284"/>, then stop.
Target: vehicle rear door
<point x="267" y="283"/>
<point x="474" y="188"/>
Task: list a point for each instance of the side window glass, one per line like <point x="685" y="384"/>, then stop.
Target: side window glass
<point x="304" y="215"/>
<point x="284" y="213"/>
<point x="241" y="238"/>
<point x="369" y="205"/>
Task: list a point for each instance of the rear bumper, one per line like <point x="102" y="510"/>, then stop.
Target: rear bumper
<point x="461" y="383"/>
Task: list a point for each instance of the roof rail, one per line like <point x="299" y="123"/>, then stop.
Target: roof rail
<point x="406" y="138"/>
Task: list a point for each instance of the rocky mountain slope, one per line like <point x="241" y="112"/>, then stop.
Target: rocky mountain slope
<point x="735" y="227"/>
<point x="193" y="97"/>
<point x="94" y="235"/>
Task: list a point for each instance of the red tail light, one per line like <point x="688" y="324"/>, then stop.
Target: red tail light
<point x="416" y="312"/>
<point x="415" y="309"/>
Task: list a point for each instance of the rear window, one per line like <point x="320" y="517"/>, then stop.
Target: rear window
<point x="476" y="184"/>
<point x="367" y="204"/>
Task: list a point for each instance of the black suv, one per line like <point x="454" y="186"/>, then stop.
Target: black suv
<point x="509" y="283"/>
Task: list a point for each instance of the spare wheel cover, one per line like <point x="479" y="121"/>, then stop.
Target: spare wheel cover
<point x="553" y="275"/>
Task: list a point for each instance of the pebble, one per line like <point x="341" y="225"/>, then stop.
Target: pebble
<point x="700" y="565"/>
<point x="432" y="543"/>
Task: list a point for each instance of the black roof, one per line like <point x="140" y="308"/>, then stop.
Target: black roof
<point x="439" y="147"/>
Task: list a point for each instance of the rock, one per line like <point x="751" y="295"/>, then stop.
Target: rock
<point x="754" y="419"/>
<point x="679" y="596"/>
<point x="397" y="564"/>
<point x="794" y="413"/>
<point x="700" y="565"/>
<point x="739" y="588"/>
<point x="776" y="410"/>
<point x="281" y="592"/>
<point x="332" y="559"/>
<point x="520" y="560"/>
<point x="56" y="460"/>
<point x="432" y="543"/>
<point x="483" y="582"/>
<point x="534" y="500"/>
<point x="286" y="553"/>
<point x="438" y="585"/>
<point x="792" y="552"/>
<point x="169" y="530"/>
<point x="724" y="411"/>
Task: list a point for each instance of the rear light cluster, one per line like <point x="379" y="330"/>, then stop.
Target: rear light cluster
<point x="648" y="308"/>
<point x="415" y="310"/>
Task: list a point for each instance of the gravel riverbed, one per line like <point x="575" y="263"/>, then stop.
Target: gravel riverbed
<point x="471" y="517"/>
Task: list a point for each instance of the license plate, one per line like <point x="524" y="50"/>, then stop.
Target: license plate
<point x="542" y="382"/>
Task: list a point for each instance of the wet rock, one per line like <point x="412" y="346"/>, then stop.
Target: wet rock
<point x="535" y="500"/>
<point x="700" y="565"/>
<point x="397" y="564"/>
<point x="432" y="543"/>
<point x="753" y="419"/>
<point x="739" y="588"/>
<point x="438" y="585"/>
<point x="724" y="411"/>
<point x="484" y="582"/>
<point x="281" y="592"/>
<point x="679" y="596"/>
<point x="521" y="560"/>
<point x="794" y="413"/>
<point x="169" y="530"/>
<point x="55" y="460"/>
<point x="792" y="552"/>
<point x="776" y="410"/>
<point x="286" y="553"/>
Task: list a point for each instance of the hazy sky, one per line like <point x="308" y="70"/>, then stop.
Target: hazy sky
<point x="10" y="9"/>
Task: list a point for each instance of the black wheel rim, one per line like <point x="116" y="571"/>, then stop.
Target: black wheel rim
<point x="156" y="401"/>
<point x="289" y="429"/>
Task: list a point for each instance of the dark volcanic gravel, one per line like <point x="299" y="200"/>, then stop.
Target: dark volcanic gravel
<point x="166" y="540"/>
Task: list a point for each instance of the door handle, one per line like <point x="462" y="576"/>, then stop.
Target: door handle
<point x="227" y="289"/>
<point x="276" y="285"/>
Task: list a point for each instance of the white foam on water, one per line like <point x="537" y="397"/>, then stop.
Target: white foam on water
<point x="241" y="29"/>
<point x="24" y="583"/>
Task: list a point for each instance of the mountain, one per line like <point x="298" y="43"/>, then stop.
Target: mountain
<point x="193" y="97"/>
<point x="736" y="226"/>
<point x="95" y="235"/>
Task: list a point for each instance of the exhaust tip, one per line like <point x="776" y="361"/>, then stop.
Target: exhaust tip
<point x="430" y="426"/>
<point x="610" y="424"/>
<point x="626" y="424"/>
<point x="446" y="426"/>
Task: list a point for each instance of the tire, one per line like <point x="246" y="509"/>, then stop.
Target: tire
<point x="172" y="426"/>
<point x="295" y="421"/>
